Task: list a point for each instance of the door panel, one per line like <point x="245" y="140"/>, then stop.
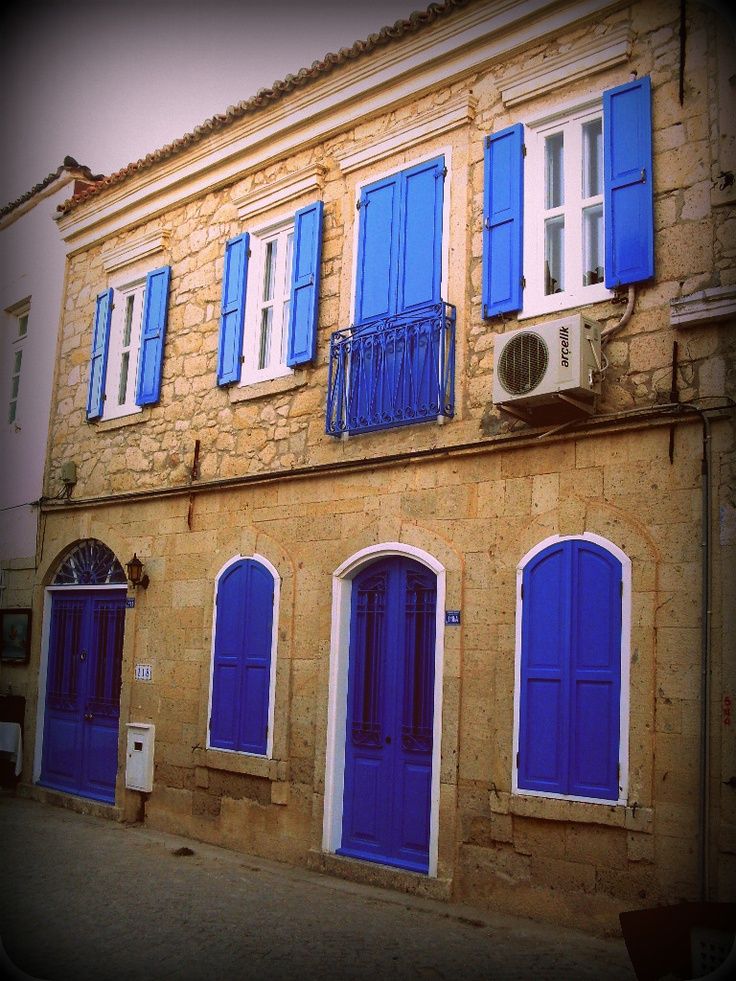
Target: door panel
<point x="388" y="749"/>
<point x="80" y="747"/>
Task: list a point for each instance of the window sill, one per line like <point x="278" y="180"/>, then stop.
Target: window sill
<point x="264" y="389"/>
<point x="633" y="818"/>
<point x="253" y="766"/>
<point x="105" y="425"/>
<point x="569" y="302"/>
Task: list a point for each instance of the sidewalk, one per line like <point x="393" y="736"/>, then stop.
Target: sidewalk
<point x="84" y="898"/>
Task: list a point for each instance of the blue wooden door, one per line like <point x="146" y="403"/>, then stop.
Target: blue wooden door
<point x="388" y="745"/>
<point x="80" y="744"/>
<point x="569" y="723"/>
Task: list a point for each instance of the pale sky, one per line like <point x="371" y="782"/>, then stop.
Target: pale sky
<point x="108" y="82"/>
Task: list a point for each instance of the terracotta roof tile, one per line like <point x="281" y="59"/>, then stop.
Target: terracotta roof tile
<point x="69" y="164"/>
<point x="267" y="96"/>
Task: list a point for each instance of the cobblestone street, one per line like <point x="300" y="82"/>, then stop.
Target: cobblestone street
<point x="84" y="898"/>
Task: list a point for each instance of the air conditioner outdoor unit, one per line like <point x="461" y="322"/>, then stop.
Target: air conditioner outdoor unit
<point x="554" y="364"/>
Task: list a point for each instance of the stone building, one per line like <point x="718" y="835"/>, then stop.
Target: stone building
<point x="425" y="577"/>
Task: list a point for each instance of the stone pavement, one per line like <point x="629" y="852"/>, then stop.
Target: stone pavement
<point x="85" y="898"/>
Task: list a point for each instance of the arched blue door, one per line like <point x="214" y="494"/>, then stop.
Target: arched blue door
<point x="569" y="701"/>
<point x="388" y="745"/>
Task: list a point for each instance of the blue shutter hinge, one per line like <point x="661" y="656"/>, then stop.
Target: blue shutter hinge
<point x="523" y="149"/>
<point x="488" y="142"/>
<point x="485" y="311"/>
<point x="621" y="584"/>
<point x="522" y="281"/>
<point x="361" y="203"/>
<point x="522" y="590"/>
<point x="643" y="175"/>
<point x="487" y="223"/>
<point x="517" y="760"/>
<point x="249" y="253"/>
<point x="441" y="173"/>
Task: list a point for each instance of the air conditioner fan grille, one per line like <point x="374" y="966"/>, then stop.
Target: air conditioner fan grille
<point x="523" y="363"/>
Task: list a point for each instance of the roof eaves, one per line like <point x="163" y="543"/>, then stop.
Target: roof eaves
<point x="268" y="96"/>
<point x="69" y="165"/>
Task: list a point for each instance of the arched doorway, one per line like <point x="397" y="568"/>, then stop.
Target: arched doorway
<point x="383" y="744"/>
<point x="83" y="675"/>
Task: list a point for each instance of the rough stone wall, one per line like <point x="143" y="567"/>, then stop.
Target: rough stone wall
<point x="478" y="513"/>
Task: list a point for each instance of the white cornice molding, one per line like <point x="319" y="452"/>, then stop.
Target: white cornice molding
<point x="440" y="119"/>
<point x="704" y="307"/>
<point x="592" y="55"/>
<point x="125" y="255"/>
<point x="275" y="193"/>
<point x="420" y="63"/>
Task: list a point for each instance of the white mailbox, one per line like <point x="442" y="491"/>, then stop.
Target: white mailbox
<point x="139" y="757"/>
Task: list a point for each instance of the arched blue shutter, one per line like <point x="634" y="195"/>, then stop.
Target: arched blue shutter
<point x="420" y="258"/>
<point x="153" y="332"/>
<point x="503" y="217"/>
<point x="628" y="187"/>
<point x="569" y="702"/>
<point x="378" y="251"/>
<point x="242" y="658"/>
<point x="302" y="343"/>
<point x="98" y="360"/>
<point x="232" y="311"/>
<point x="595" y="671"/>
<point x="543" y="705"/>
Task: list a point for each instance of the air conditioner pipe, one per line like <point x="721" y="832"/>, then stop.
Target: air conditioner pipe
<point x="615" y="328"/>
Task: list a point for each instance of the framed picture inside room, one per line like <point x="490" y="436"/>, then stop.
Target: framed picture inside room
<point x="15" y="636"/>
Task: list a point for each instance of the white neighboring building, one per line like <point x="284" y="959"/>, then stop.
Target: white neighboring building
<point x="32" y="263"/>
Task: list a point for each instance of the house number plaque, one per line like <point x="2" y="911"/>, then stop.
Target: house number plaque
<point x="452" y="617"/>
<point x="143" y="672"/>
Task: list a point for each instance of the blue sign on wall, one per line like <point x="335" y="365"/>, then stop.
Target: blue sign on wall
<point x="129" y="602"/>
<point x="452" y="617"/>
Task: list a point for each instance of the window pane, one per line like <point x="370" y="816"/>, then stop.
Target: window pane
<point x="23" y="325"/>
<point x="554" y="255"/>
<point x="17" y="361"/>
<point x="123" y="386"/>
<point x="265" y="337"/>
<point x="128" y="320"/>
<point x="593" y="245"/>
<point x="269" y="269"/>
<point x="11" y="411"/>
<point x="15" y="381"/>
<point x="593" y="158"/>
<point x="554" y="171"/>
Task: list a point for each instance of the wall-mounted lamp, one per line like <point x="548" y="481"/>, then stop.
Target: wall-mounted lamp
<point x="136" y="576"/>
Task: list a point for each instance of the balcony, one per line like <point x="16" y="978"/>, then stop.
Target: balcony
<point x="392" y="372"/>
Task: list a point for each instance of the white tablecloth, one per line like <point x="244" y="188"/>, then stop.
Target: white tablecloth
<point x="11" y="741"/>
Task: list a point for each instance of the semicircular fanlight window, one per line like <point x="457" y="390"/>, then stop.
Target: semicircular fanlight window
<point x="91" y="563"/>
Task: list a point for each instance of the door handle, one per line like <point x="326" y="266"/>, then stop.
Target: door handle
<point x="388" y="740"/>
<point x="88" y="716"/>
<point x="82" y="655"/>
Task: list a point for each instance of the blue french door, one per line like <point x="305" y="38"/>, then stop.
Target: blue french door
<point x="80" y="745"/>
<point x="388" y="745"/>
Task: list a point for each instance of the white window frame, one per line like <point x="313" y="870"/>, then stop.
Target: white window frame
<point x="135" y="291"/>
<point x="570" y="121"/>
<point x="275" y="366"/>
<point x="18" y="345"/>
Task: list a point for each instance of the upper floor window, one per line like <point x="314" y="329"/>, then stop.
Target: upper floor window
<point x="270" y="297"/>
<point x="568" y="206"/>
<point x="564" y="248"/>
<point x="127" y="346"/>
<point x="19" y="329"/>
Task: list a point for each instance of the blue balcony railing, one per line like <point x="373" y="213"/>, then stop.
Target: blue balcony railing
<point x="392" y="372"/>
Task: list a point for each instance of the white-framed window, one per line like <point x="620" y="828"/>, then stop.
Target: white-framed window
<point x="564" y="234"/>
<point x="125" y="345"/>
<point x="19" y="336"/>
<point x="268" y="303"/>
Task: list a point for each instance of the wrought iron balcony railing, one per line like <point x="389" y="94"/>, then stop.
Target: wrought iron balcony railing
<point x="392" y="372"/>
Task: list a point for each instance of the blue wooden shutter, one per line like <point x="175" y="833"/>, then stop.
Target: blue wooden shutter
<point x="153" y="331"/>
<point x="503" y="215"/>
<point x="378" y="251"/>
<point x="543" y="704"/>
<point x="242" y="658"/>
<point x="628" y="187"/>
<point x="98" y="360"/>
<point x="420" y="256"/>
<point x="232" y="312"/>
<point x="595" y="672"/>
<point x="302" y="345"/>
